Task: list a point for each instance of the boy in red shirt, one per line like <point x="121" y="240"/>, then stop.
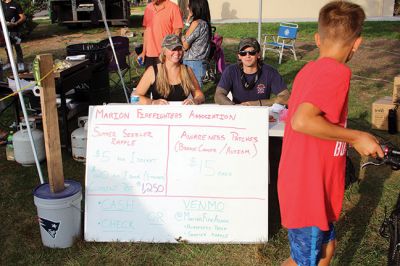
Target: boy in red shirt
<point x="312" y="165"/>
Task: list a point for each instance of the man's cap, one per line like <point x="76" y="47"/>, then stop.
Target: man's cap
<point x="171" y="42"/>
<point x="249" y="42"/>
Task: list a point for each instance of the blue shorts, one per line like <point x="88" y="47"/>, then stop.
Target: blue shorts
<point x="306" y="243"/>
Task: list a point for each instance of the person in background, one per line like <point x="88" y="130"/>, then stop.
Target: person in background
<point x="14" y="17"/>
<point x="161" y="17"/>
<point x="196" y="40"/>
<point x="169" y="80"/>
<point x="250" y="81"/>
<point x="183" y="7"/>
<point x="312" y="166"/>
<point x="3" y="136"/>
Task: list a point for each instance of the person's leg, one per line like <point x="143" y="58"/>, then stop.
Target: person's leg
<point x="20" y="57"/>
<point x="16" y="43"/>
<point x="203" y="69"/>
<point x="328" y="250"/>
<point x="18" y="51"/>
<point x="328" y="246"/>
<point x="6" y="65"/>
<point x="311" y="246"/>
<point x="15" y="39"/>
<point x="289" y="262"/>
<point x="8" y="58"/>
<point x="197" y="67"/>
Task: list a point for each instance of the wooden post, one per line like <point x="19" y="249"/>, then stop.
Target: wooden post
<point x="50" y="124"/>
<point x="396" y="90"/>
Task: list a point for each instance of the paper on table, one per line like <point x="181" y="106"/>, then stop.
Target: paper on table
<point x="175" y="103"/>
<point x="277" y="108"/>
<point x="30" y="85"/>
<point x="76" y="57"/>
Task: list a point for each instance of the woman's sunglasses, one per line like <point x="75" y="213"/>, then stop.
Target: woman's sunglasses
<point x="244" y="53"/>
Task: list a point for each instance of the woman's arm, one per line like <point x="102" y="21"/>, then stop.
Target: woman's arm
<point x="191" y="28"/>
<point x="198" y="96"/>
<point x="145" y="82"/>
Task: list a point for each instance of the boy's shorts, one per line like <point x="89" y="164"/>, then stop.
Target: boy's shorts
<point x="306" y="243"/>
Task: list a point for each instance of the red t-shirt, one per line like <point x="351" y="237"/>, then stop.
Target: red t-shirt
<point x="160" y="22"/>
<point x="311" y="170"/>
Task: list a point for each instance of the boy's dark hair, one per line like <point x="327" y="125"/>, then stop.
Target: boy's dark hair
<point x="341" y="21"/>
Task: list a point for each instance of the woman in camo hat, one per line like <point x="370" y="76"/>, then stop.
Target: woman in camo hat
<point x="169" y="80"/>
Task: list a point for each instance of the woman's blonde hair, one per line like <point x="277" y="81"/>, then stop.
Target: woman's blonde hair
<point x="162" y="82"/>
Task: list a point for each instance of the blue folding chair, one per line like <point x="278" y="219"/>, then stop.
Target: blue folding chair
<point x="285" y="39"/>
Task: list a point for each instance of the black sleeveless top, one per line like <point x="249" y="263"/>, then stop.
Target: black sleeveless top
<point x="176" y="94"/>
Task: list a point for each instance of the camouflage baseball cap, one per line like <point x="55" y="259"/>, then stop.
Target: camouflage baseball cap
<point x="171" y="42"/>
<point x="249" y="42"/>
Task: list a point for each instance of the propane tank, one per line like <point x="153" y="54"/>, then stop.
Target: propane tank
<point x="22" y="147"/>
<point x="79" y="140"/>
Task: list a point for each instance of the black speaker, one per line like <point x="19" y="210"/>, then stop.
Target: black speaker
<point x="392" y="121"/>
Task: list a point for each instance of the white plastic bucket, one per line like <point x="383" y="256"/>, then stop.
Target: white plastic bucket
<point x="59" y="214"/>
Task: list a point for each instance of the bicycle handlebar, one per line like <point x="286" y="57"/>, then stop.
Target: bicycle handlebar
<point x="391" y="157"/>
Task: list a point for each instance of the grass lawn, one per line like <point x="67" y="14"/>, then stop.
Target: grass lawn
<point x="374" y="68"/>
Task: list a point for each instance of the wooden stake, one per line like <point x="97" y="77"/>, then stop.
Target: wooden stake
<point x="50" y="124"/>
<point x="396" y="90"/>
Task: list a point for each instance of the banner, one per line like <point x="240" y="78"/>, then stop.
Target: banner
<point x="196" y="174"/>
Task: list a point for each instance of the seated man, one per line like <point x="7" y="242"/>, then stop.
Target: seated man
<point x="250" y="81"/>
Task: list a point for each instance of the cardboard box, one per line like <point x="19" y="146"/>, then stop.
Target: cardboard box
<point x="396" y="90"/>
<point x="380" y="112"/>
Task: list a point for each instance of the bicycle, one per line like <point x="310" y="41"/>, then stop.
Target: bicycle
<point x="390" y="227"/>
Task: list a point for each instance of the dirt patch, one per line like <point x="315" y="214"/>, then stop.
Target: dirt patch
<point x="376" y="60"/>
<point x="57" y="44"/>
<point x="54" y="39"/>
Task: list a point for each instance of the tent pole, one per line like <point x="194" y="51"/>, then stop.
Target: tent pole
<point x="259" y="20"/>
<point x="18" y="85"/>
<point x="113" y="50"/>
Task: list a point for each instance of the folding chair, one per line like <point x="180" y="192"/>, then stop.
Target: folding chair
<point x="121" y="46"/>
<point x="216" y="59"/>
<point x="285" y="39"/>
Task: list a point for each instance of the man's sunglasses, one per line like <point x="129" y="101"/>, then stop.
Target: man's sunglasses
<point x="244" y="53"/>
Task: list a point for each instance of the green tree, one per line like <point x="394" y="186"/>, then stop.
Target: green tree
<point x="30" y="9"/>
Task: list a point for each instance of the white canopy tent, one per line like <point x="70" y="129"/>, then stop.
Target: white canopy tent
<point x="259" y="20"/>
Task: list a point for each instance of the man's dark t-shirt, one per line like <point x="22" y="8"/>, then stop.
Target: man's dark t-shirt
<point x="11" y="12"/>
<point x="269" y="81"/>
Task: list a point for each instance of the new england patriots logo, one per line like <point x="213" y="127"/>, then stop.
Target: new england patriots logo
<point x="50" y="226"/>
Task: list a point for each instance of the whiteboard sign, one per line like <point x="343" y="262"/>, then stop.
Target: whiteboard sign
<point x="177" y="173"/>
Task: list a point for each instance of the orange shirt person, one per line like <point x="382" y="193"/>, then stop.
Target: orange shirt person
<point x="161" y="17"/>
